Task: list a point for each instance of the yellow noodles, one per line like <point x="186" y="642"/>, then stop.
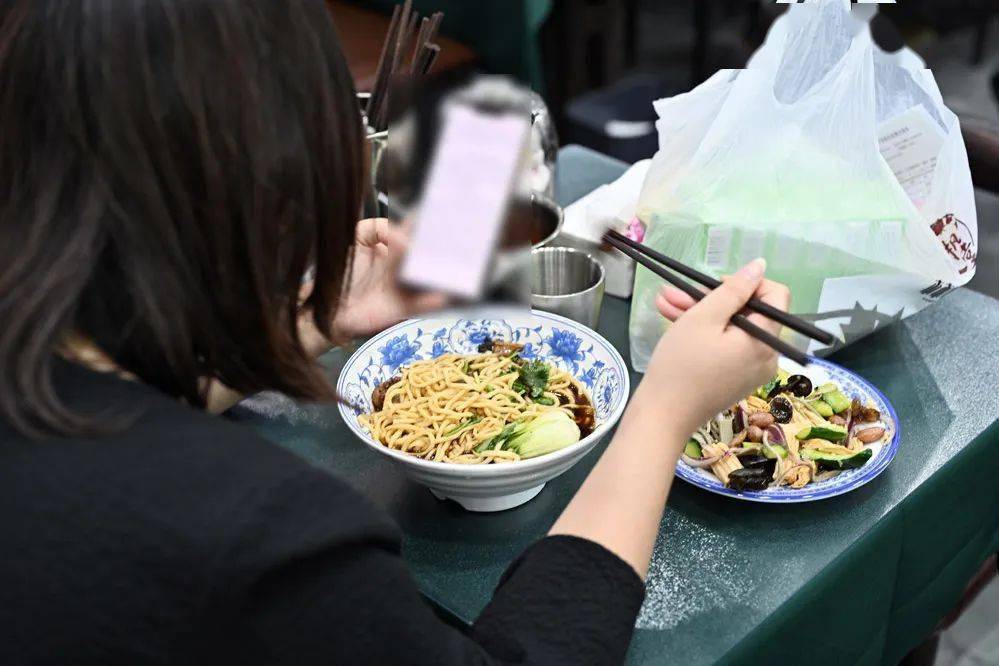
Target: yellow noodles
<point x="441" y="409"/>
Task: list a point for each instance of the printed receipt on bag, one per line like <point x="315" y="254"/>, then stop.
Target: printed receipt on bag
<point x="910" y="143"/>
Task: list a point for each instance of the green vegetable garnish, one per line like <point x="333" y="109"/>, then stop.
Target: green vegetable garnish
<point x="533" y="379"/>
<point x="764" y="390"/>
<point x="692" y="449"/>
<point x="465" y="425"/>
<point x="548" y="432"/>
<point x="837" y="400"/>
<point x="545" y="400"/>
<point x="497" y="441"/>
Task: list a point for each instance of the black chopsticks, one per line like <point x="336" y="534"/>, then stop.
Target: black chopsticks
<point x="651" y="259"/>
<point x="758" y="306"/>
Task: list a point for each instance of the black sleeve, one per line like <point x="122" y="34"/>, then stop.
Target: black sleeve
<point x="565" y="600"/>
<point x="318" y="578"/>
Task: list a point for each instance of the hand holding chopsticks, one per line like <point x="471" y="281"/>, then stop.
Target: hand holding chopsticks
<point x="651" y="259"/>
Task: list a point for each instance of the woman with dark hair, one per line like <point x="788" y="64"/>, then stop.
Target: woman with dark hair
<point x="170" y="170"/>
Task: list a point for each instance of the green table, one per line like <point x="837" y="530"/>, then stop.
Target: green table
<point x="859" y="578"/>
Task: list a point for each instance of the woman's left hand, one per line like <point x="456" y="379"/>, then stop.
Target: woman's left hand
<point x="374" y="299"/>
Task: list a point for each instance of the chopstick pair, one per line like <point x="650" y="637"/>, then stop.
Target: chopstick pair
<point x="648" y="257"/>
<point x="405" y="29"/>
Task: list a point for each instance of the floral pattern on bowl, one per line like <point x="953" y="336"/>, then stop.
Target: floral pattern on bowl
<point x="550" y="338"/>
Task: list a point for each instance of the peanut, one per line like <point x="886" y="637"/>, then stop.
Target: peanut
<point x="761" y="419"/>
<point x="871" y="435"/>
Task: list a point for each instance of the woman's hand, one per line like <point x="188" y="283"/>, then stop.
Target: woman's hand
<point x="700" y="366"/>
<point x="374" y="299"/>
<point x="703" y="364"/>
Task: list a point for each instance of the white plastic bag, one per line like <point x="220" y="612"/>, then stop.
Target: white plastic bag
<point x="837" y="162"/>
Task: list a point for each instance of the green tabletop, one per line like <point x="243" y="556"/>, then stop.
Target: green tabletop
<point x="859" y="578"/>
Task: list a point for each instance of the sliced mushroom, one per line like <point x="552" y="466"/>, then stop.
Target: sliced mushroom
<point x="378" y="394"/>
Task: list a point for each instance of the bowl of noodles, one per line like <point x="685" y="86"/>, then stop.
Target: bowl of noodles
<point x="484" y="406"/>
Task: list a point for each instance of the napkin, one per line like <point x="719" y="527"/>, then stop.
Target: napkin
<point x="611" y="205"/>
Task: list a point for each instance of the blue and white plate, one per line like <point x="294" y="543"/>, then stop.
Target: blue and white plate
<point x="561" y="342"/>
<point x="819" y="371"/>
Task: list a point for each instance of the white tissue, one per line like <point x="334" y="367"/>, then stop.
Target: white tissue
<point x="611" y="205"/>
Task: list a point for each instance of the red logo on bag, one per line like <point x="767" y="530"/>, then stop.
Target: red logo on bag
<point x="957" y="241"/>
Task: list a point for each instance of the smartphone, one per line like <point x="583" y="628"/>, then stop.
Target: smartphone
<point x="476" y="165"/>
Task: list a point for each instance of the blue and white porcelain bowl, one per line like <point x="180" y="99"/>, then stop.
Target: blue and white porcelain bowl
<point x="556" y="340"/>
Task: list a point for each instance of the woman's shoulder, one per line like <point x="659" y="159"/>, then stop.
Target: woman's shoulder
<point x="172" y="517"/>
<point x="169" y="475"/>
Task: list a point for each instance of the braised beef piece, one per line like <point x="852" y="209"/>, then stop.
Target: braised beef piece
<point x="498" y="347"/>
<point x="585" y="419"/>
<point x="505" y="348"/>
<point x="378" y="395"/>
<point x="584" y="415"/>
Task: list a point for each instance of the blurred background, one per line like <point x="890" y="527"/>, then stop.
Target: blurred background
<point x="599" y="64"/>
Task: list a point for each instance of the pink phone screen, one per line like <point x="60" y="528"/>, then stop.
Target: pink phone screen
<point x="457" y="226"/>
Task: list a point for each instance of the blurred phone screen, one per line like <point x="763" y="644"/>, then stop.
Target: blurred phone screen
<point x="458" y="223"/>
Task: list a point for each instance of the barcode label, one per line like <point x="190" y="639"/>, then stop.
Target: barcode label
<point x="752" y="245"/>
<point x="719" y="244"/>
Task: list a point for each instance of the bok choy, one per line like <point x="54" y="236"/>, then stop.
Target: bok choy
<point x="549" y="432"/>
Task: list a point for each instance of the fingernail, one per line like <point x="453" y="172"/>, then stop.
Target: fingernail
<point x="754" y="270"/>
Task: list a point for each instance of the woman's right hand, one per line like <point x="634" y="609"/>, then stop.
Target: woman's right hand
<point x="703" y="364"/>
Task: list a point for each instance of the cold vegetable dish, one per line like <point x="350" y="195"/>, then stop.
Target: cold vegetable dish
<point x="788" y="432"/>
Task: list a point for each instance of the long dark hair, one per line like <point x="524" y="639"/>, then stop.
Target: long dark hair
<point x="169" y="171"/>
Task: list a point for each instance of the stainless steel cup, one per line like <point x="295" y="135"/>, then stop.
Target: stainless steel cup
<point x="568" y="282"/>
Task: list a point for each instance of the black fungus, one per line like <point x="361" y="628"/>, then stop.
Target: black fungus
<point x="799" y="385"/>
<point x="754" y="460"/>
<point x="749" y="478"/>
<point x="780" y="408"/>
<point x="485" y="346"/>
